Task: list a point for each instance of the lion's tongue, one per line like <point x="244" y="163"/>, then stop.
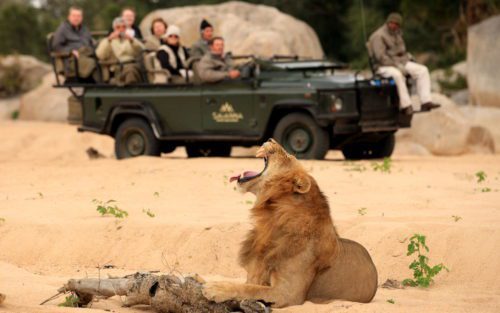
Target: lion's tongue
<point x="245" y="174"/>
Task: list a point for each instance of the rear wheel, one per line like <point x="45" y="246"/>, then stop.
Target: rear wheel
<point x="196" y="150"/>
<point x="135" y="137"/>
<point x="299" y="134"/>
<point x="371" y="150"/>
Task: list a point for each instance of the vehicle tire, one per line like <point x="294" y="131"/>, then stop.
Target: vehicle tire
<point x="377" y="150"/>
<point x="302" y="137"/>
<point x="135" y="137"/>
<point x="196" y="150"/>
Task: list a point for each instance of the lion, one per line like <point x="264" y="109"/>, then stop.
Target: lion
<point x="294" y="253"/>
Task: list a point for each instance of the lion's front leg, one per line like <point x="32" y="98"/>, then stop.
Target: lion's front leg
<point x="223" y="291"/>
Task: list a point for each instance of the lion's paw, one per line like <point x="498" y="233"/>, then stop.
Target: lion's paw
<point x="219" y="291"/>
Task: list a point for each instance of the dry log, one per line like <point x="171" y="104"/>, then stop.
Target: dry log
<point x="165" y="294"/>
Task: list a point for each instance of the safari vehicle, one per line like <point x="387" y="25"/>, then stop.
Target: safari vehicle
<point x="308" y="106"/>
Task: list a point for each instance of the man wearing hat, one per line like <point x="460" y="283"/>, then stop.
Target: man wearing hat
<point x="388" y="49"/>
<point x="200" y="48"/>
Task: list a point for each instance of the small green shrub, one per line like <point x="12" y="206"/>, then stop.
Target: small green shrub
<point x="481" y="176"/>
<point x="423" y="273"/>
<point x="391" y="301"/>
<point x="362" y="211"/>
<point x="456" y="218"/>
<point x="71" y="301"/>
<point x="105" y="208"/>
<point x="148" y="212"/>
<point x="384" y="167"/>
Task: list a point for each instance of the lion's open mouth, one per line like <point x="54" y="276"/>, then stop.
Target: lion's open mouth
<point x="248" y="175"/>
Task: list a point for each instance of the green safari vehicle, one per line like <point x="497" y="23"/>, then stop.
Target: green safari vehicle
<point x="309" y="107"/>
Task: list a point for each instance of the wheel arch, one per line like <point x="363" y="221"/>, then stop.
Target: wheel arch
<point x="122" y="111"/>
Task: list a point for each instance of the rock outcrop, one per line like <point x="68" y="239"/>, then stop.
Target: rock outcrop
<point x="30" y="70"/>
<point x="247" y="28"/>
<point x="483" y="62"/>
<point x="447" y="131"/>
<point x="45" y="103"/>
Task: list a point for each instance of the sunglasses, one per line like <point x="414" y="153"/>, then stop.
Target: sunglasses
<point x="173" y="36"/>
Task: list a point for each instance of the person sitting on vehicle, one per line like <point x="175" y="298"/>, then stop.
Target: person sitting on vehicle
<point x="128" y="15"/>
<point x="173" y="56"/>
<point x="158" y="30"/>
<point x="200" y="47"/>
<point x="392" y="60"/>
<point x="74" y="37"/>
<point x="121" y="51"/>
<point x="213" y="67"/>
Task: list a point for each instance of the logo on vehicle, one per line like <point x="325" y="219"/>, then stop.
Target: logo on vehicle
<point x="227" y="114"/>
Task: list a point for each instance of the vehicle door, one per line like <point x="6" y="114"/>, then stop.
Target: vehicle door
<point x="228" y="108"/>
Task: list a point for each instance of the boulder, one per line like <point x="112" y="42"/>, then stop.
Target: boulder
<point x="31" y="70"/>
<point x="483" y="62"/>
<point x="247" y="28"/>
<point x="45" y="103"/>
<point x="447" y="131"/>
<point x="485" y="116"/>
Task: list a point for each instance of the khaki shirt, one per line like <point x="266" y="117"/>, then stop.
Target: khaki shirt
<point x="122" y="50"/>
<point x="213" y="68"/>
<point x="387" y="47"/>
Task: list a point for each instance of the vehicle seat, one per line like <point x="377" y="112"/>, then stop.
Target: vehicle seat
<point x="155" y="74"/>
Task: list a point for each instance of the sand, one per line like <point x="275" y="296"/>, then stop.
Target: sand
<point x="50" y="230"/>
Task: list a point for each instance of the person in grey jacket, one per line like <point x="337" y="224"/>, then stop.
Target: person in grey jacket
<point x="388" y="49"/>
<point x="74" y="37"/>
<point x="213" y="67"/>
<point x="200" y="47"/>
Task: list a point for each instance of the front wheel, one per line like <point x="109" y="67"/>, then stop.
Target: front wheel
<point x="370" y="150"/>
<point x="135" y="137"/>
<point x="302" y="137"/>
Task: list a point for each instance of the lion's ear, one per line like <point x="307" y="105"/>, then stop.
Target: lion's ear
<point x="302" y="184"/>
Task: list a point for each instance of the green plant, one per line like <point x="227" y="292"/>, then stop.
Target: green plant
<point x="149" y="213"/>
<point x="14" y="115"/>
<point x="423" y="273"/>
<point x="2" y="220"/>
<point x="485" y="189"/>
<point x="384" y="167"/>
<point x="156" y="194"/>
<point x="71" y="301"/>
<point x="481" y="176"/>
<point x="456" y="218"/>
<point x="105" y="208"/>
<point x="391" y="301"/>
<point x="362" y="211"/>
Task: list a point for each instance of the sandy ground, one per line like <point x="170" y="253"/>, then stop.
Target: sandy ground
<point x="50" y="230"/>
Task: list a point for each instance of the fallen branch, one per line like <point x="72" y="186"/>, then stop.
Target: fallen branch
<point x="165" y="293"/>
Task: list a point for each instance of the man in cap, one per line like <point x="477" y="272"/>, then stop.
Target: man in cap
<point x="388" y="49"/>
<point x="200" y="48"/>
<point x="213" y="67"/>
